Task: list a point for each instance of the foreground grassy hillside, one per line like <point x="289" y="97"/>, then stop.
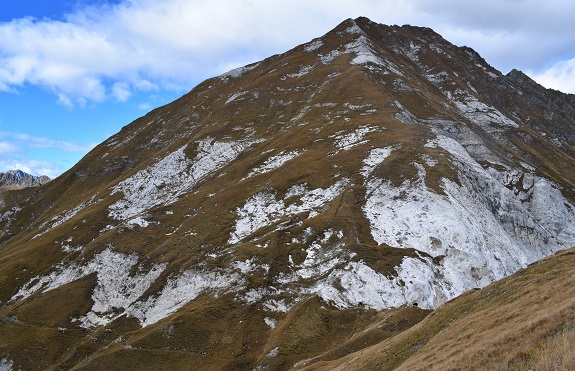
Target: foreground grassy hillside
<point x="522" y="322"/>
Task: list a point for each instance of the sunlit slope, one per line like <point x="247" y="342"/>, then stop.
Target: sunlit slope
<point x="272" y="212"/>
<point x="520" y="322"/>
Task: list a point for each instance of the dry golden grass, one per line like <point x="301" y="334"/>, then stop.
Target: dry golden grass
<point x="496" y="324"/>
<point x="521" y="322"/>
<point x="557" y="353"/>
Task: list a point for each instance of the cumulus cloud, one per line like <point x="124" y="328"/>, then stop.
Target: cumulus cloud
<point x="121" y="91"/>
<point x="560" y="76"/>
<point x="112" y="51"/>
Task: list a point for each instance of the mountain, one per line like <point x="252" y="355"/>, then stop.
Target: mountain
<point x="522" y="322"/>
<point x="351" y="185"/>
<point x="17" y="179"/>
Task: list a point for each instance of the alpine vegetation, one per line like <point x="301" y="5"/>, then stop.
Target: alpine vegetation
<point x="291" y="212"/>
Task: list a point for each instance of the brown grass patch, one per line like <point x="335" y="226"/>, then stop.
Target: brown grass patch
<point x="502" y="326"/>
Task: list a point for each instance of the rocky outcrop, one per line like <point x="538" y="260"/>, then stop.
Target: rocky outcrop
<point x="373" y="168"/>
<point x="17" y="179"/>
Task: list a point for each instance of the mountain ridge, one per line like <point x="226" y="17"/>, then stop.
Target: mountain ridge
<point x="17" y="179"/>
<point x="375" y="167"/>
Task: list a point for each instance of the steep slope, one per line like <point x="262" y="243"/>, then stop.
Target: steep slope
<point x="503" y="326"/>
<point x="375" y="167"/>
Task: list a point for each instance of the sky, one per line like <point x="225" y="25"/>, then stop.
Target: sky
<point x="74" y="72"/>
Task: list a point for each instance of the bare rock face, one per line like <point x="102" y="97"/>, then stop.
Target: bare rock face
<point x="17" y="179"/>
<point x="277" y="209"/>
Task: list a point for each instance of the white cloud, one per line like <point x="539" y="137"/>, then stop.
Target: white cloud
<point x="121" y="91"/>
<point x="18" y="140"/>
<point x="15" y="150"/>
<point x="7" y="147"/>
<point x="64" y="101"/>
<point x="107" y="51"/>
<point x="48" y="168"/>
<point x="560" y="76"/>
<point x="524" y="34"/>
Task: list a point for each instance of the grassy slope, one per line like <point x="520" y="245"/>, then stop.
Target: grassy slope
<point x="220" y="334"/>
<point x="520" y="322"/>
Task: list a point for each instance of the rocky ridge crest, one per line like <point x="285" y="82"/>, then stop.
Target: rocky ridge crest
<point x="17" y="179"/>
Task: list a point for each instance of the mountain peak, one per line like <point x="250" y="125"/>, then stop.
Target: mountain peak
<point x="373" y="168"/>
<point x="17" y="179"/>
<point x="17" y="174"/>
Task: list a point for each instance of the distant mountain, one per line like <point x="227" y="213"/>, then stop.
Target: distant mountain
<point x="292" y="211"/>
<point x="17" y="179"/>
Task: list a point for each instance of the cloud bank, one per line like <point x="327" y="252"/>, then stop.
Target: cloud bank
<point x="112" y="51"/>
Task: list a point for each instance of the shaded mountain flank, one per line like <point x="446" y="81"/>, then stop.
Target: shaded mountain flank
<point x="302" y="209"/>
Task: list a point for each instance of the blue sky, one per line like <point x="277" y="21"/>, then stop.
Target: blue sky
<point x="73" y="72"/>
